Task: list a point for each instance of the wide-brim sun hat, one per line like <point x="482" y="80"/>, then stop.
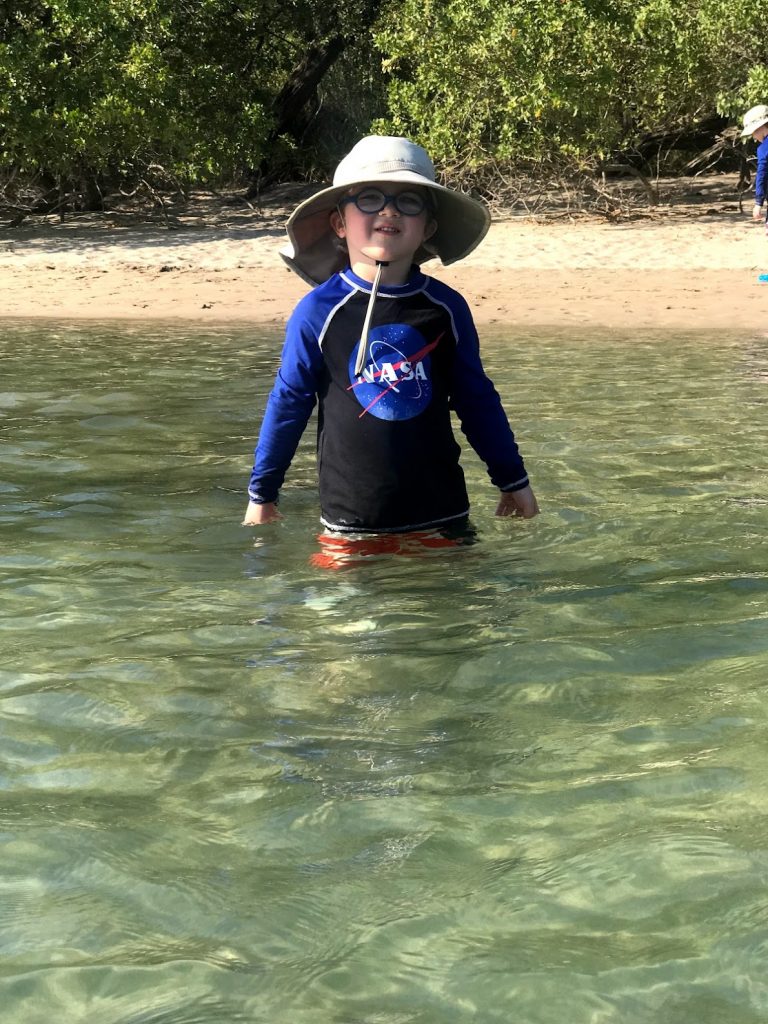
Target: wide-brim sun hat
<point x="754" y="118"/>
<point x="314" y="251"/>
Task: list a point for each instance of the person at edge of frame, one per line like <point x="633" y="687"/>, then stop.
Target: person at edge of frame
<point x="755" y="123"/>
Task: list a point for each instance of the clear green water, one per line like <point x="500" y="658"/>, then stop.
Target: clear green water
<point x="525" y="782"/>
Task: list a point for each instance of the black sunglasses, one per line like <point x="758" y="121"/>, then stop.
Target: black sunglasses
<point x="373" y="200"/>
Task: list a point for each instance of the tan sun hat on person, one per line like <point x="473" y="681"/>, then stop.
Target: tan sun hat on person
<point x="314" y="252"/>
<point x="755" y="118"/>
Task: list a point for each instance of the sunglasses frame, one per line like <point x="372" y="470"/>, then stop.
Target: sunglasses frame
<point x="386" y="200"/>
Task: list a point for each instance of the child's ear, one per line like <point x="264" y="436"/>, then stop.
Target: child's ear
<point x="430" y="229"/>
<point x="337" y="223"/>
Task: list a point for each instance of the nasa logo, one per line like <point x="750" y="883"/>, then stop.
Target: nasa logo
<point x="396" y="381"/>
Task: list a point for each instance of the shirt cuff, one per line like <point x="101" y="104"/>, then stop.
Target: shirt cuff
<point x="518" y="485"/>
<point x="260" y="499"/>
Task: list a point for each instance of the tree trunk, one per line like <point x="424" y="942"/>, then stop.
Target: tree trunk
<point x="292" y="100"/>
<point x="298" y="96"/>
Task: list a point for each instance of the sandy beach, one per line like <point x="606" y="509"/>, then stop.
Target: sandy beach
<point x="692" y="263"/>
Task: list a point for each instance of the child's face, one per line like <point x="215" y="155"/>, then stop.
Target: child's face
<point x="389" y="235"/>
<point x="760" y="133"/>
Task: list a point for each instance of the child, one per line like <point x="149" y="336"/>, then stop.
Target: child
<point x="387" y="352"/>
<point x="756" y="125"/>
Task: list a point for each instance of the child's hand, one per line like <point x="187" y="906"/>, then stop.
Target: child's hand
<point x="518" y="503"/>
<point x="757" y="212"/>
<point x="257" y="514"/>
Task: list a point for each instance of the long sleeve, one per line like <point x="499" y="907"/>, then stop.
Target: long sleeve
<point x="481" y="414"/>
<point x="289" y="407"/>
<point x="761" y="175"/>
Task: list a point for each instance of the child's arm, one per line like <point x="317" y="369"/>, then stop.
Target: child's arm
<point x="289" y="407"/>
<point x="761" y="180"/>
<point x="484" y="422"/>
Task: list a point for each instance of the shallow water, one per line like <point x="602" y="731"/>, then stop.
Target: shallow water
<point x="521" y="781"/>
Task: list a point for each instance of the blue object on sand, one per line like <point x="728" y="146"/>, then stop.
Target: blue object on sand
<point x="762" y="277"/>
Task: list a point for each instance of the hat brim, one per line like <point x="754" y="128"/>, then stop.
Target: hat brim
<point x="315" y="255"/>
<point x="750" y="128"/>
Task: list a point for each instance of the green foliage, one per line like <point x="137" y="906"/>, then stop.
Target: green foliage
<point x="511" y="80"/>
<point x="113" y="86"/>
<point x="114" y="89"/>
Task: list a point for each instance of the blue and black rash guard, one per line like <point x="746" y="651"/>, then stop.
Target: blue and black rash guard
<point x="387" y="456"/>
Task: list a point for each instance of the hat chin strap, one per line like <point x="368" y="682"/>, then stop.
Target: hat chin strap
<point x="362" y="348"/>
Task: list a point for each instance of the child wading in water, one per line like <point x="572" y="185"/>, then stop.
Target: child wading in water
<point x="388" y="352"/>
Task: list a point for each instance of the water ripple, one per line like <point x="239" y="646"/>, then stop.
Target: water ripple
<point x="517" y="783"/>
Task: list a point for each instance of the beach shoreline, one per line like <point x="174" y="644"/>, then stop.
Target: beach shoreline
<point x="688" y="266"/>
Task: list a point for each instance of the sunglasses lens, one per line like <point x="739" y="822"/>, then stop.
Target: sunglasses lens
<point x="409" y="203"/>
<point x="373" y="200"/>
<point x="370" y="200"/>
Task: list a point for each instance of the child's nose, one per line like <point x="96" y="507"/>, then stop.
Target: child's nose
<point x="390" y="209"/>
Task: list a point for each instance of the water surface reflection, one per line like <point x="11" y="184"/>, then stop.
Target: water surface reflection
<point x="516" y="782"/>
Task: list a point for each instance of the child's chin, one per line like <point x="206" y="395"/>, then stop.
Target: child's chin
<point x="383" y="253"/>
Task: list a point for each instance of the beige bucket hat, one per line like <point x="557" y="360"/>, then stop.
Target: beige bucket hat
<point x="755" y="118"/>
<point x="314" y="252"/>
